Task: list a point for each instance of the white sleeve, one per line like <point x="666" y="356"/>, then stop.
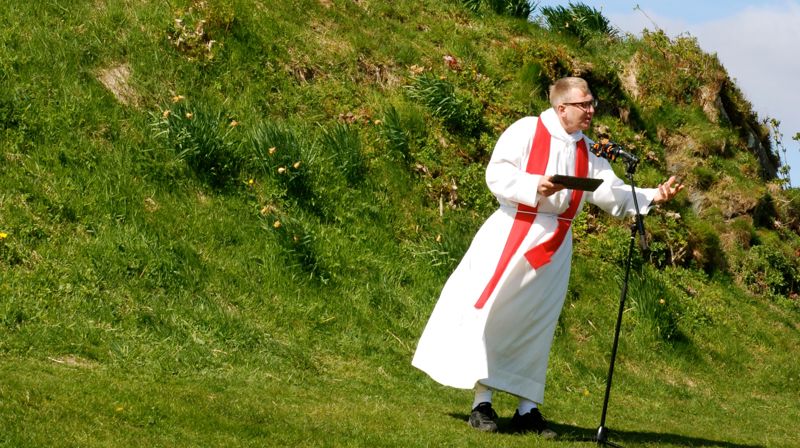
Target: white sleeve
<point x="505" y="174"/>
<point x="614" y="195"/>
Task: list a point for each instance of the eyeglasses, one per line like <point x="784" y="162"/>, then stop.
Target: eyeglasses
<point x="584" y="105"/>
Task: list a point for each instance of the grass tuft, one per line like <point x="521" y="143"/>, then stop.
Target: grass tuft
<point x="201" y="137"/>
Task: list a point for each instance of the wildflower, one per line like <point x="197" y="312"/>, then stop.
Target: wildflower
<point x="452" y="62"/>
<point x="377" y="122"/>
<point x="234" y="123"/>
<point x="662" y="301"/>
<point x="585" y="392"/>
<point x="166" y="113"/>
<point x="189" y="115"/>
<point x="296" y="165"/>
<point x="276" y="224"/>
<point x="281" y="170"/>
<point x="250" y="182"/>
<point x="3" y="235"/>
<point x="348" y="117"/>
<point x="177" y="98"/>
<point x="272" y="150"/>
<point x="150" y="205"/>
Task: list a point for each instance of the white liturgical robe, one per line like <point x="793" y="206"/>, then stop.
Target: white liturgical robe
<point x="505" y="342"/>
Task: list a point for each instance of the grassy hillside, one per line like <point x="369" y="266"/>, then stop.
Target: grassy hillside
<point x="225" y="223"/>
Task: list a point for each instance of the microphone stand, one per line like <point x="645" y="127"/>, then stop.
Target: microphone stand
<point x="636" y="227"/>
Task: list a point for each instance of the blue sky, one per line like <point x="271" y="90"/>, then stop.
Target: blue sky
<point x="758" y="42"/>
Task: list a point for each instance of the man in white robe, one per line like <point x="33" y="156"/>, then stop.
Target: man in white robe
<point x="493" y="325"/>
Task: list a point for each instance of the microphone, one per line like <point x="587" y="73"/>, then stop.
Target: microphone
<point x="612" y="151"/>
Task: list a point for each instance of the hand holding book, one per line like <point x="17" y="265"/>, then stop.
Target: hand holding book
<point x="576" y="183"/>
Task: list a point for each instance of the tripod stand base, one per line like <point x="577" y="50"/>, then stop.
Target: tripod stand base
<point x="602" y="437"/>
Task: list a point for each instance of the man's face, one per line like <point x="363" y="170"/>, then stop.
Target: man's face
<point x="577" y="111"/>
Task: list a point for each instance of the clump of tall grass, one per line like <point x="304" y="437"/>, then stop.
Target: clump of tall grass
<point x="298" y="243"/>
<point x="283" y="157"/>
<point x="472" y="5"/>
<point x="200" y="135"/>
<point x="459" y="112"/>
<point x="705" y="245"/>
<point x="514" y="8"/>
<point x="653" y="306"/>
<point x="343" y="142"/>
<point x="397" y="137"/>
<point x="578" y="20"/>
<point x="404" y="128"/>
<point x="768" y="271"/>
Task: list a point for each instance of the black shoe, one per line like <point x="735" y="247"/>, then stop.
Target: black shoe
<point x="483" y="417"/>
<point x="532" y="422"/>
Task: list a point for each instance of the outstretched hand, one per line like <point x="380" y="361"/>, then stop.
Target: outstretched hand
<point x="667" y="190"/>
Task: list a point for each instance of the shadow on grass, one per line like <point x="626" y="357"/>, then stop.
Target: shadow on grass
<point x="621" y="437"/>
<point x="570" y="433"/>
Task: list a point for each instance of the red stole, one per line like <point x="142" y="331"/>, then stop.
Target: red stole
<point x="539" y="255"/>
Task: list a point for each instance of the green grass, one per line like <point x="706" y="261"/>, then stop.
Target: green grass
<point x="164" y="283"/>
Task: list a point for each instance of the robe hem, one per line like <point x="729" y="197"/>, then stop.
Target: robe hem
<point x="515" y="385"/>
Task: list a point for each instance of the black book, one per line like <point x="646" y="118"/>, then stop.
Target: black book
<point x="577" y="183"/>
